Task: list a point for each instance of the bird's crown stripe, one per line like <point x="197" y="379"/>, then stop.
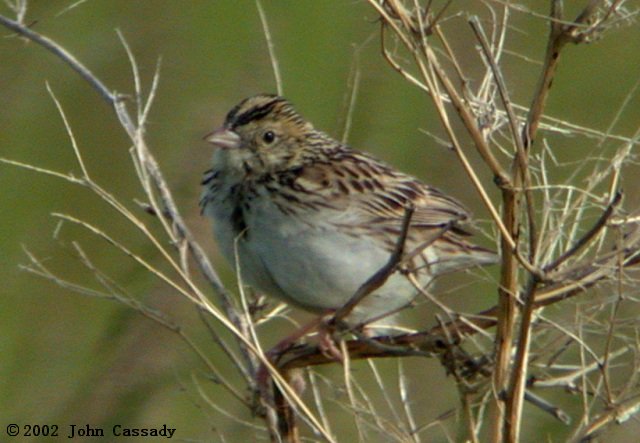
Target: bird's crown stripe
<point x="253" y="114"/>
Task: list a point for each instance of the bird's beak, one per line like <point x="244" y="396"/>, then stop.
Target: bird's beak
<point x="223" y="138"/>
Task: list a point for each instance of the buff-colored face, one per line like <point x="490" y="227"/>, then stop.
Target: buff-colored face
<point x="263" y="133"/>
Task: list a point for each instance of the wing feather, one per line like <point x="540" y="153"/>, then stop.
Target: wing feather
<point x="378" y="193"/>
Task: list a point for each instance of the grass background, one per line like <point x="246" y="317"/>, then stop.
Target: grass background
<point x="68" y="359"/>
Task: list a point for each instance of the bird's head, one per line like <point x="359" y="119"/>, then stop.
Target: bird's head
<point x="261" y="134"/>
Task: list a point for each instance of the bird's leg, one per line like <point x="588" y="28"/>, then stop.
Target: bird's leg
<point x="274" y="354"/>
<point x="327" y="342"/>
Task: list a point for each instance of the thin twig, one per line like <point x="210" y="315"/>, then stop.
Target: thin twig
<point x="589" y="235"/>
<point x="271" y="47"/>
<point x="231" y="320"/>
<point x="380" y="277"/>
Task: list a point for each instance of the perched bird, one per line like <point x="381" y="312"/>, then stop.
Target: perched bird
<point x="310" y="219"/>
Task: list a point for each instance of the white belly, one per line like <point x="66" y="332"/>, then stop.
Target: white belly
<point x="316" y="268"/>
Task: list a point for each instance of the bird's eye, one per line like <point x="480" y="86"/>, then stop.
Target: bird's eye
<point x="269" y="137"/>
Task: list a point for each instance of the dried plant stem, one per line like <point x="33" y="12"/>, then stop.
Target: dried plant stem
<point x="153" y="170"/>
<point x="380" y="277"/>
<point x="559" y="36"/>
<point x="153" y="181"/>
<point x="270" y="46"/>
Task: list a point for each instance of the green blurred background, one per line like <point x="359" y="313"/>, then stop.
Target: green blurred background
<point x="66" y="358"/>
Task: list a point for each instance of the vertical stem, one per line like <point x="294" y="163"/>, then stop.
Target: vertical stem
<point x="506" y="315"/>
<point x="515" y="396"/>
<point x="286" y="428"/>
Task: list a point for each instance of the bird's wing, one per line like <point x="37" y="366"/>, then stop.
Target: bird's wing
<point x="369" y="198"/>
<point x="377" y="194"/>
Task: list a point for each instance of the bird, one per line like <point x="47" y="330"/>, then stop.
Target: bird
<point x="309" y="219"/>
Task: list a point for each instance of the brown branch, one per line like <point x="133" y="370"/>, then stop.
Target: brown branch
<point x="517" y="383"/>
<point x="287" y="429"/>
<point x="443" y="340"/>
<point x="559" y="35"/>
<point x="617" y="414"/>
<point x="506" y="312"/>
<point x="551" y="58"/>
<point x="513" y="388"/>
<point x="434" y="340"/>
<point x="521" y="155"/>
